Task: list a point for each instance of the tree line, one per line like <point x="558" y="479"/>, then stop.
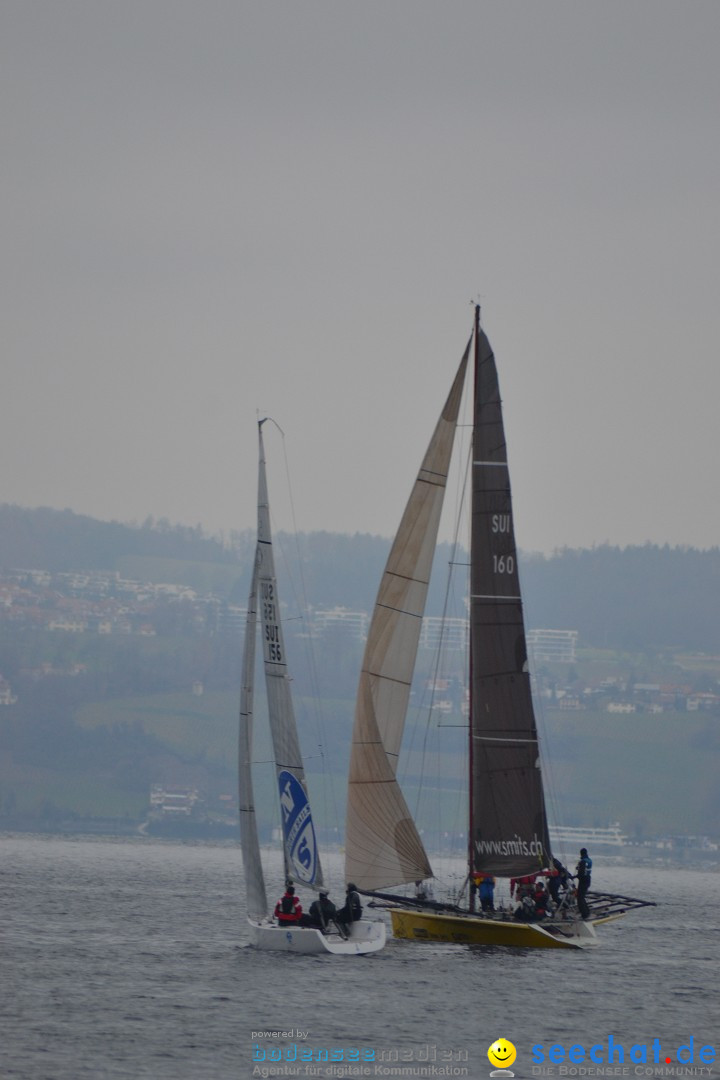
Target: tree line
<point x="636" y="598"/>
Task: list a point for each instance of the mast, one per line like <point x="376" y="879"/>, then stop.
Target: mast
<point x="471" y="861"/>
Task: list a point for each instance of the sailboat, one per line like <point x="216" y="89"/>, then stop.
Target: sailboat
<point x="508" y="832"/>
<point x="299" y="841"/>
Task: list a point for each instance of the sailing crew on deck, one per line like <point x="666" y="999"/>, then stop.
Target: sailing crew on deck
<point x="486" y="891"/>
<point x="526" y="908"/>
<point x="288" y="909"/>
<point x="322" y="912"/>
<point x="583" y="872"/>
<point x="543" y="904"/>
<point x="352" y="911"/>
<point x="557" y="880"/>
<point x="423" y="890"/>
<point x="518" y="885"/>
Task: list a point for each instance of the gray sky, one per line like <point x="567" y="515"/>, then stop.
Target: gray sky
<point x="214" y="208"/>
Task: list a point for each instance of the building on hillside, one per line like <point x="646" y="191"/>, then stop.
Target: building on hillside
<point x="229" y="618"/>
<point x="352" y="623"/>
<point x="6" y="695"/>
<point x="552" y="646"/>
<point x="451" y="634"/>
<point x="174" y="802"/>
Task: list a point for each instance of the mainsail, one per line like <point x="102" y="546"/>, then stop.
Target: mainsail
<point x="383" y="847"/>
<point x="508" y="827"/>
<point x="302" y="860"/>
<point x="254" y="883"/>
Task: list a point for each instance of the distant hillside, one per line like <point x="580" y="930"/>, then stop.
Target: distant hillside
<point x="60" y="540"/>
<point x="92" y="719"/>
<point x="637" y="598"/>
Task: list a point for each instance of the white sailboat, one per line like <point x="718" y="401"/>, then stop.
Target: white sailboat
<point x="301" y="858"/>
<point x="507" y="822"/>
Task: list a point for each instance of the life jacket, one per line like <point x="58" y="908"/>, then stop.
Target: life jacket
<point x="584" y="867"/>
<point x="288" y="909"/>
<point x="541" y="901"/>
<point x="516" y="881"/>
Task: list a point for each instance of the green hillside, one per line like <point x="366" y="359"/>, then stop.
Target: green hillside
<point x="652" y="773"/>
<point x="95" y="718"/>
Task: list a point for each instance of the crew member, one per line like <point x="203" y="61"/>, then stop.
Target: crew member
<point x="583" y="872"/>
<point x="352" y="911"/>
<point x="423" y="890"/>
<point x="486" y="892"/>
<point x="288" y="909"/>
<point x="322" y="912"/>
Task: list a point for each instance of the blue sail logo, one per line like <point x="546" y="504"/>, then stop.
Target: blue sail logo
<point x="298" y="827"/>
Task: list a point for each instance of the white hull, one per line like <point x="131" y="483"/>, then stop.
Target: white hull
<point x="365" y="937"/>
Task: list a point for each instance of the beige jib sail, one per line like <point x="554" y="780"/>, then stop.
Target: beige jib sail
<point x="383" y="847"/>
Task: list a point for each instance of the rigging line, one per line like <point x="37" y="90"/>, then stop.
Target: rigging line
<point x="309" y="651"/>
<point x="443" y="624"/>
<point x="502" y="738"/>
<point x="550" y="787"/>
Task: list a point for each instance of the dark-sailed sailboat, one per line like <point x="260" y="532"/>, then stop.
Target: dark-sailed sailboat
<point x="508" y="832"/>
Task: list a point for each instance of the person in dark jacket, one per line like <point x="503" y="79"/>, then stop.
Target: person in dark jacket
<point x="583" y="873"/>
<point x="352" y="911"/>
<point x="288" y="910"/>
<point x="557" y="881"/>
<point x="541" y="899"/>
<point x="322" y="912"/>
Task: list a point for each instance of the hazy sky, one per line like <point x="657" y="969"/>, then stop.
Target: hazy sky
<point x="219" y="207"/>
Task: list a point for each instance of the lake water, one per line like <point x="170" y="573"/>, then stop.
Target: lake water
<point x="129" y="958"/>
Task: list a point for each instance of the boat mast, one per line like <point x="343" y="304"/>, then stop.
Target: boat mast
<point x="471" y="861"/>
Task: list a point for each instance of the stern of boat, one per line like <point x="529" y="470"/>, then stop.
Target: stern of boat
<point x="365" y="937"/>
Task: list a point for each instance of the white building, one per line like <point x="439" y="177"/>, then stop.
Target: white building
<point x="552" y="646"/>
<point x="452" y="634"/>
<point x="353" y="623"/>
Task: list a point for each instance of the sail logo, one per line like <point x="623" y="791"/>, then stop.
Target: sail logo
<point x="516" y="846"/>
<point x="298" y="827"/>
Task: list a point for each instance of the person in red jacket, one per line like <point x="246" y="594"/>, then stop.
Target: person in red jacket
<point x="288" y="909"/>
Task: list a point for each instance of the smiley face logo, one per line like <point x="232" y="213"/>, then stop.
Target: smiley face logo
<point x="502" y="1053"/>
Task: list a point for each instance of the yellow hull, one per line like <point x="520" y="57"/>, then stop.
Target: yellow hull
<point x="476" y="930"/>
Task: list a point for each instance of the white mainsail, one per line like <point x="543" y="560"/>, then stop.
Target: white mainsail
<point x="302" y="860"/>
<point x="254" y="883"/>
<point x="383" y="847"/>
